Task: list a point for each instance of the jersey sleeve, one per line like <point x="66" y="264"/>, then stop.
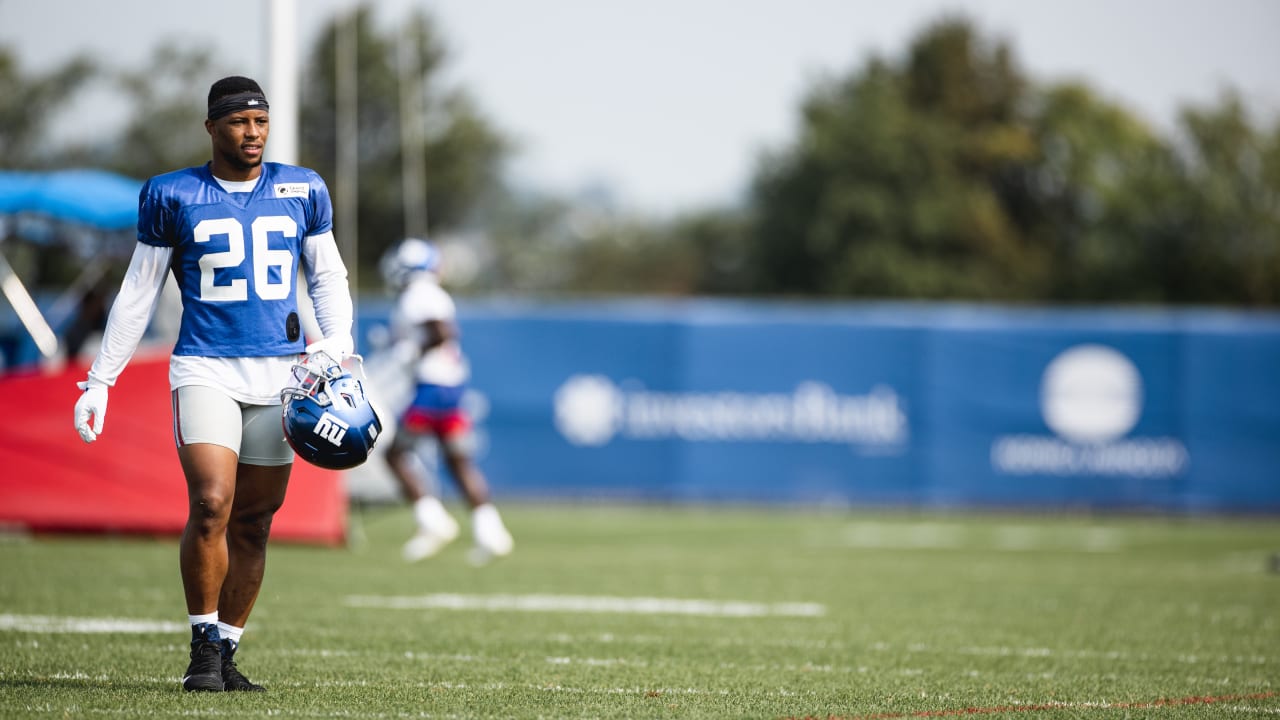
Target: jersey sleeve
<point x="321" y="215"/>
<point x="155" y="217"/>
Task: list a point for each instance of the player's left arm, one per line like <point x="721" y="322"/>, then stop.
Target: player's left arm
<point x="330" y="293"/>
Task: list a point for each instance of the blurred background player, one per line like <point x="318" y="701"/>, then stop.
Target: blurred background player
<point x="233" y="232"/>
<point x="425" y="332"/>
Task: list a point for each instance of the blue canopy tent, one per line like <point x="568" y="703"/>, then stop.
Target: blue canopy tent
<point x="84" y="208"/>
<point x="95" y="198"/>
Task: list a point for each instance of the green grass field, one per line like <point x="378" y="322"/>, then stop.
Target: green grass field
<point x="650" y="612"/>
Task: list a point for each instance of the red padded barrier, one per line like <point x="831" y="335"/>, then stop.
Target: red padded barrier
<point x="129" y="481"/>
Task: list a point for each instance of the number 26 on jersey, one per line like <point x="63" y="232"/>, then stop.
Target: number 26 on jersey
<point x="264" y="259"/>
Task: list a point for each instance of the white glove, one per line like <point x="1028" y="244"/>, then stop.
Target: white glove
<point x="92" y="403"/>
<point x="338" y="347"/>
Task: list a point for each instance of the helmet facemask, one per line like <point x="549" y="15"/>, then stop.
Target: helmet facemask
<point x="312" y="377"/>
<point x="328" y="420"/>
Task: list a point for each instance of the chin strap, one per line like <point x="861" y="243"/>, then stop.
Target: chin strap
<point x="359" y="364"/>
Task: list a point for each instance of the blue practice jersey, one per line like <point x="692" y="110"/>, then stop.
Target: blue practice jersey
<point x="236" y="255"/>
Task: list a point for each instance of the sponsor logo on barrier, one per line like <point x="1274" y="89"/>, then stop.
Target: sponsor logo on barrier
<point x="1091" y="398"/>
<point x="591" y="410"/>
<point x="331" y="428"/>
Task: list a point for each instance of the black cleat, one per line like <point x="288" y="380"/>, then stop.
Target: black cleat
<point x="232" y="679"/>
<point x="205" y="671"/>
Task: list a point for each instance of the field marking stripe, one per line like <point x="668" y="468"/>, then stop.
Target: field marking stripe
<point x="873" y="535"/>
<point x="1041" y="707"/>
<point x="582" y="603"/>
<point x="49" y="624"/>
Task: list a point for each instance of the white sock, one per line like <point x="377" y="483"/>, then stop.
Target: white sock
<point x="429" y="511"/>
<point x="232" y="633"/>
<point x="486" y="519"/>
<point x="206" y="619"/>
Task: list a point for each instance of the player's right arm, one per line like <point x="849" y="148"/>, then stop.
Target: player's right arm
<point x="130" y="314"/>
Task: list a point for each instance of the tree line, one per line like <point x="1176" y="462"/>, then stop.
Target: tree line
<point x="944" y="172"/>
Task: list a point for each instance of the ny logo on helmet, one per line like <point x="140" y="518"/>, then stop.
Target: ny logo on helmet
<point x="331" y="428"/>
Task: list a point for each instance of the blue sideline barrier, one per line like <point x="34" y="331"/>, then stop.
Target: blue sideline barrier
<point x="868" y="404"/>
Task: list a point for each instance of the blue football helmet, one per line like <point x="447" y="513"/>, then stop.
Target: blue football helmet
<point x="328" y="419"/>
<point x="407" y="258"/>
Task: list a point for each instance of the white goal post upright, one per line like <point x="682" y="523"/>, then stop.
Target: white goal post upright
<point x="283" y="81"/>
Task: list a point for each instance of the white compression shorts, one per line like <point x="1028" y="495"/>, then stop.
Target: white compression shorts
<point x="207" y="415"/>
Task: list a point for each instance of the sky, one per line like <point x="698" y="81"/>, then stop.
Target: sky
<point x="670" y="103"/>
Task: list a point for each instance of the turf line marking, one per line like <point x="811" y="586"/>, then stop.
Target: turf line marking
<point x="82" y="625"/>
<point x="998" y="538"/>
<point x="1041" y="707"/>
<point x="580" y="603"/>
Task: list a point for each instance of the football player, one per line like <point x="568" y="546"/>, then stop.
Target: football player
<point x="425" y="324"/>
<point x="234" y="232"/>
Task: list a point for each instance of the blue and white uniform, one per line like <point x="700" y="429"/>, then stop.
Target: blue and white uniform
<point x="234" y="249"/>
<point x="235" y="255"/>
<point x="441" y="373"/>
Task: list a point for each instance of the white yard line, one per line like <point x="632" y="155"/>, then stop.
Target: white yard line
<point x="50" y="624"/>
<point x="873" y="535"/>
<point x="582" y="603"/>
